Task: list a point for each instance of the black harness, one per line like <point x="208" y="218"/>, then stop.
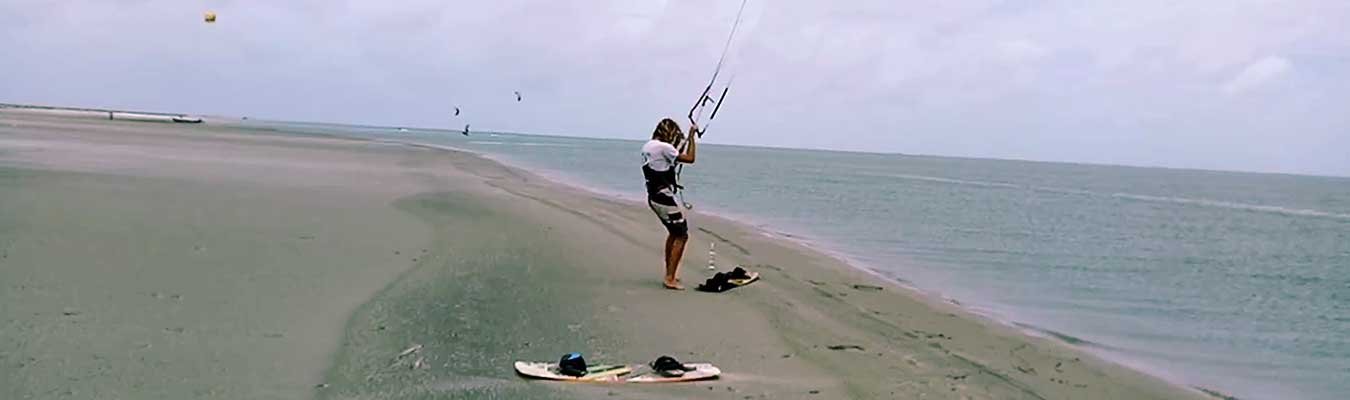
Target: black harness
<point x="659" y="180"/>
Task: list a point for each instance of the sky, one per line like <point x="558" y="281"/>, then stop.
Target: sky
<point x="1222" y="84"/>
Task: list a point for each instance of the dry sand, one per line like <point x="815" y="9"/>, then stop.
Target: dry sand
<point x="144" y="260"/>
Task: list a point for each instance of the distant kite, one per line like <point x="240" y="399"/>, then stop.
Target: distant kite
<point x="517" y="95"/>
<point x="210" y="17"/>
<point x="456" y="111"/>
<point x="466" y="129"/>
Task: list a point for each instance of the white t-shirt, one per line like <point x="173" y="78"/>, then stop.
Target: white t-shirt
<point x="658" y="155"/>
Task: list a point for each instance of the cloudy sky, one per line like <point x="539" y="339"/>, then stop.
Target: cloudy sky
<point x="1223" y="84"/>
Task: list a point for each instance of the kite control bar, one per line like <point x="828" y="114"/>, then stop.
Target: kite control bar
<point x="703" y="98"/>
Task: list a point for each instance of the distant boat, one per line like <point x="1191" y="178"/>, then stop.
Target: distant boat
<point x="187" y="120"/>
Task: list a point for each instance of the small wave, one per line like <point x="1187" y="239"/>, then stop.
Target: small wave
<point x="532" y="144"/>
<point x="991" y="184"/>
<point x="1299" y="212"/>
<point x="962" y="182"/>
<point x="1290" y="279"/>
<point x="1214" y="393"/>
<point x="1063" y="337"/>
<point x="545" y="144"/>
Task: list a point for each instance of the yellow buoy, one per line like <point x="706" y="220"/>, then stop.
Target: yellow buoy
<point x="210" y="17"/>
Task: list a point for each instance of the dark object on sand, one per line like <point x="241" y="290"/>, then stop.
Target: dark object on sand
<point x="838" y="347"/>
<point x="551" y="370"/>
<point x="572" y="364"/>
<point x="669" y="367"/>
<point x="724" y="281"/>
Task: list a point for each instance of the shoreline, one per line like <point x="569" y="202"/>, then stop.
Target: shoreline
<point x="1103" y="351"/>
<point x="514" y="265"/>
<point x="935" y="298"/>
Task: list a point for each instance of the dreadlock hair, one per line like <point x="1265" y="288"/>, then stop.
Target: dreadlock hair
<point x="668" y="131"/>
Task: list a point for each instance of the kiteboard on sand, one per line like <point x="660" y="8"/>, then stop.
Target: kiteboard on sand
<point x="551" y="371"/>
<point x="664" y="370"/>
<point x="696" y="372"/>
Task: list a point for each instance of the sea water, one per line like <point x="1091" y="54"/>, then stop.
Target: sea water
<point x="1237" y="282"/>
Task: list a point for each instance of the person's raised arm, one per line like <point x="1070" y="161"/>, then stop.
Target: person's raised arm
<point x="691" y="151"/>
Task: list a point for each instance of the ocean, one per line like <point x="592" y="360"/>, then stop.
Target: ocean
<point x="1236" y="282"/>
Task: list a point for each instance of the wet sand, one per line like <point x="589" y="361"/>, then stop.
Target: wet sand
<point x="154" y="260"/>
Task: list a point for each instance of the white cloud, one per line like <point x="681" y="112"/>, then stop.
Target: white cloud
<point x="636" y="18"/>
<point x="1257" y="73"/>
<point x="1066" y="78"/>
<point x="1022" y="50"/>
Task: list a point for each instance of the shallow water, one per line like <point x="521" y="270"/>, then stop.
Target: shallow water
<point x="1232" y="281"/>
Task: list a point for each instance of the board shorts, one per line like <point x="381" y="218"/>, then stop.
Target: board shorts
<point x="668" y="210"/>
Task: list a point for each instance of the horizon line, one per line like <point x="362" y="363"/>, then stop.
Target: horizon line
<point x="761" y="146"/>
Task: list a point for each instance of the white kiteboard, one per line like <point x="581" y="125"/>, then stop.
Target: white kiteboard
<point x="550" y="371"/>
<point x="615" y="373"/>
<point x="700" y="371"/>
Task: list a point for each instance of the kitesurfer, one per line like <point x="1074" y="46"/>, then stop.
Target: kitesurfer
<point x="659" y="161"/>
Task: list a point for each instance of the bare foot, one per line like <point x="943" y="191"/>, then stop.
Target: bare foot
<point x="673" y="285"/>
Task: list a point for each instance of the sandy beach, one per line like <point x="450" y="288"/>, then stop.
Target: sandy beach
<point x="161" y="260"/>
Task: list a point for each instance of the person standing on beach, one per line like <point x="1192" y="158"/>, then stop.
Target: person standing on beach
<point x="659" y="159"/>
